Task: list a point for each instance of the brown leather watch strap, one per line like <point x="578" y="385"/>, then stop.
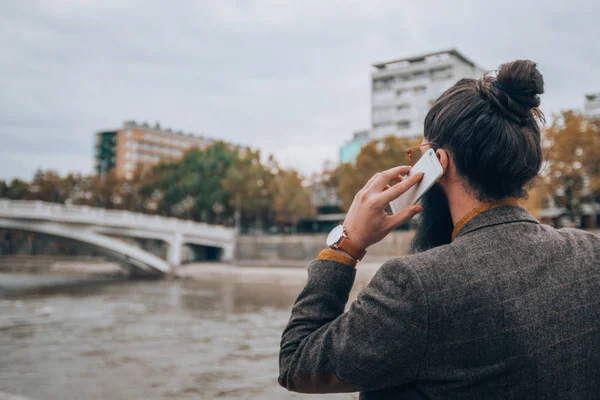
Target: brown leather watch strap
<point x="348" y="246"/>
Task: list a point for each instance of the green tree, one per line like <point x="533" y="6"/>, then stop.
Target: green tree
<point x="247" y="182"/>
<point x="197" y="176"/>
<point x="3" y="188"/>
<point x="17" y="190"/>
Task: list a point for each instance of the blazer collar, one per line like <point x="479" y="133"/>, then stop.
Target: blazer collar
<point x="497" y="216"/>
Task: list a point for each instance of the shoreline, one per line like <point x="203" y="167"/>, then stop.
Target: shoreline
<point x="73" y="274"/>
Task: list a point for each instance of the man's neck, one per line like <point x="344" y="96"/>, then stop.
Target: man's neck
<point x="461" y="203"/>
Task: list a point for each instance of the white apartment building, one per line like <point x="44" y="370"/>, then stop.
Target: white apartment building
<point x="592" y="106"/>
<point x="402" y="91"/>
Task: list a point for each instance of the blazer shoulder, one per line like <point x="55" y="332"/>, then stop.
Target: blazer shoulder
<point x="581" y="240"/>
<point x="579" y="234"/>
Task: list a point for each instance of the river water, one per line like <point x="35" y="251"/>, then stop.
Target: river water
<point x="73" y="338"/>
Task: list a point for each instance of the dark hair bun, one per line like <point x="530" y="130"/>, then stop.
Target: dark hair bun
<point x="522" y="82"/>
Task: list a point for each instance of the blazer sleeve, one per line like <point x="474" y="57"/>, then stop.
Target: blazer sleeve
<point x="378" y="343"/>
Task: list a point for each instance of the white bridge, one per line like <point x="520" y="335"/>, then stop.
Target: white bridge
<point x="98" y="227"/>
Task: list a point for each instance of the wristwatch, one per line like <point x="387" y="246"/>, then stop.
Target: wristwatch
<point x="337" y="239"/>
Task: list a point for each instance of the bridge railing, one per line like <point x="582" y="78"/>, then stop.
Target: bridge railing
<point x="39" y="210"/>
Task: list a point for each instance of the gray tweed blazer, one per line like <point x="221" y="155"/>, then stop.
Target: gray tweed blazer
<point x="509" y="310"/>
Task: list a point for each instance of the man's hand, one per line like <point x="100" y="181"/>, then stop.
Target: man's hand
<point x="367" y="222"/>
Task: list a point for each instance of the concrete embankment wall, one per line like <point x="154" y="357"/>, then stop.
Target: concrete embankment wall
<point x="308" y="246"/>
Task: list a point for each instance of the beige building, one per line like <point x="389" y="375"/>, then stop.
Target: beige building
<point x="125" y="148"/>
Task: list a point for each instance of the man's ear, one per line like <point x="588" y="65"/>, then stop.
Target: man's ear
<point x="444" y="158"/>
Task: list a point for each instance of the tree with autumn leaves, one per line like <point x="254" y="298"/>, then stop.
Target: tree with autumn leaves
<point x="571" y="173"/>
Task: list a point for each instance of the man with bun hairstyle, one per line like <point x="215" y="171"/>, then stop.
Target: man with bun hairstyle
<point x="490" y="304"/>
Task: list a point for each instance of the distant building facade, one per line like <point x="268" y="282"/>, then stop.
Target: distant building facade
<point x="351" y="150"/>
<point x="125" y="148"/>
<point x="327" y="203"/>
<point x="592" y="106"/>
<point x="403" y="90"/>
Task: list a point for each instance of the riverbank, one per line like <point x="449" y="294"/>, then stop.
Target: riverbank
<point x="74" y="274"/>
<point x="266" y="275"/>
<point x="98" y="266"/>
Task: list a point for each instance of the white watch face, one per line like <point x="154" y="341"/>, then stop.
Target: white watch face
<point x="335" y="235"/>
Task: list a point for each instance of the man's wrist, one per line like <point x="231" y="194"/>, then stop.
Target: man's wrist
<point x="339" y="240"/>
<point x="352" y="236"/>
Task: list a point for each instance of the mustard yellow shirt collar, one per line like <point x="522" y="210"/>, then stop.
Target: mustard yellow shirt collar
<point x="478" y="210"/>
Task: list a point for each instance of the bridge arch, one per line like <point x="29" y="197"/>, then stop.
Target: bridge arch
<point x="142" y="262"/>
<point x="92" y="225"/>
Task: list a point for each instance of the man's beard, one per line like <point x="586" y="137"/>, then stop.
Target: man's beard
<point x="435" y="222"/>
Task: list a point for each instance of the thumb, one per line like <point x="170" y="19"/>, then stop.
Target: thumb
<point x="404" y="215"/>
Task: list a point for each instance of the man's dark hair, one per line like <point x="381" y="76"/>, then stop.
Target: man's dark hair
<point x="490" y="127"/>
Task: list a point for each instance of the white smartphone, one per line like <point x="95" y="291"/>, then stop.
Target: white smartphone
<point x="431" y="167"/>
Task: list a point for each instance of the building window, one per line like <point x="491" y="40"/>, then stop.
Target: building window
<point x="128" y="133"/>
<point x="403" y="125"/>
<point x="420" y="89"/>
<point x="382" y="84"/>
<point x="441" y="73"/>
<point x="404" y="94"/>
<point x="382" y="115"/>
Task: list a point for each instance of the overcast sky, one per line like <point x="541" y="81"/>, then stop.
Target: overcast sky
<point x="287" y="77"/>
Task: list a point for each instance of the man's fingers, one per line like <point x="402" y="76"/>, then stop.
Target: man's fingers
<point x="383" y="178"/>
<point x="404" y="216"/>
<point x="399" y="188"/>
